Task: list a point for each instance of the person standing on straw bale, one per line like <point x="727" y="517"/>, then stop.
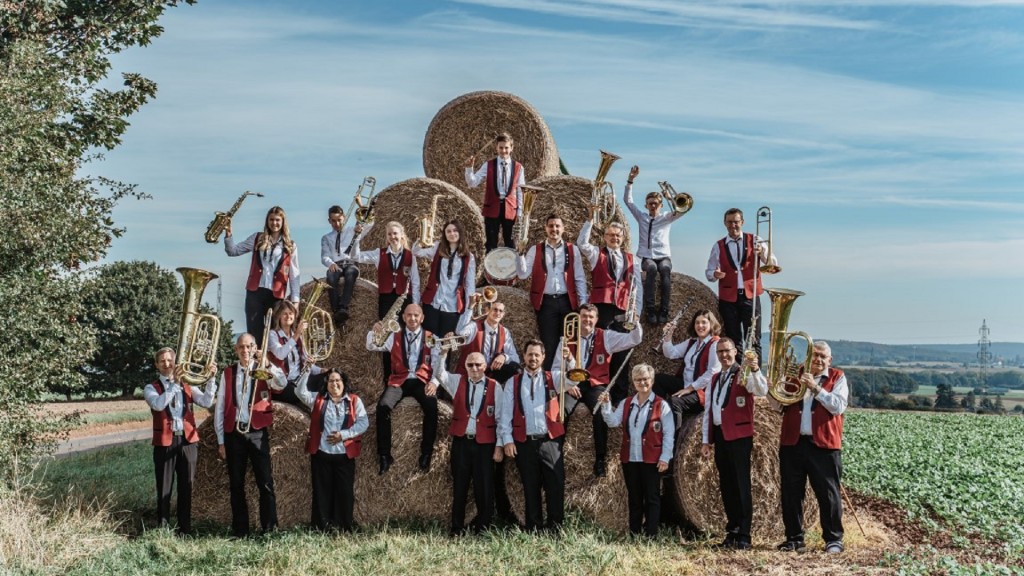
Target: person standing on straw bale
<point x="242" y="422"/>
<point x="337" y="252"/>
<point x="648" y="437"/>
<point x="810" y="447"/>
<point x="411" y="371"/>
<point x="477" y="406"/>
<point x="175" y="448"/>
<point x="557" y="284"/>
<point x="337" y="422"/>
<point x="653" y="248"/>
<point x="452" y="279"/>
<point x="503" y="195"/>
<point x="530" y="431"/>
<point x="685" y="390"/>
<point x="728" y="430"/>
<point x="593" y="349"/>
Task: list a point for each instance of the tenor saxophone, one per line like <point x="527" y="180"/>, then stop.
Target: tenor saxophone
<point x="222" y="219"/>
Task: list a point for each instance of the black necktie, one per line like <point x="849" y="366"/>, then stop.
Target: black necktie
<point x="337" y="241"/>
<point x="504" y="178"/>
<point x="451" y="264"/>
<point x="650" y="226"/>
<point x="490" y="347"/>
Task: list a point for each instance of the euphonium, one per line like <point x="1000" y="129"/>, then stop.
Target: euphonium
<point x="221" y="219"/>
<point x="362" y="209"/>
<point x="488" y="295"/>
<point x="603" y="193"/>
<point x="783" y="368"/>
<point x="427" y="223"/>
<point x="572" y="333"/>
<point x="198" y="334"/>
<point x="317" y="338"/>
<point x="389" y="322"/>
<point x="680" y="202"/>
<point x="764" y="214"/>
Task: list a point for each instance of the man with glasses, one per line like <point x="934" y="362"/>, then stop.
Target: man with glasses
<point x="728" y="427"/>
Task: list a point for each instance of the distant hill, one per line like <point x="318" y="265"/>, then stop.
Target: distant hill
<point x="851" y="353"/>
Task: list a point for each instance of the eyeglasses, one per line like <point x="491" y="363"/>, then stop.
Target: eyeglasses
<point x="721" y="350"/>
<point x="474" y="364"/>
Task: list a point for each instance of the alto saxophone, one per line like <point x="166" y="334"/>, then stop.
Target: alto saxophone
<point x="427" y="224"/>
<point x="390" y="322"/>
<point x="222" y="219"/>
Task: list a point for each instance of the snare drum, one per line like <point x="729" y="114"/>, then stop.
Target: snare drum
<point x="500" y="266"/>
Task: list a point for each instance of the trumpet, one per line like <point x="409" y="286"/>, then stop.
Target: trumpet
<point x="521" y="229"/>
<point x="222" y="219"/>
<point x="445" y="343"/>
<point x="198" y="334"/>
<point x="783" y="375"/>
<point x="261" y="372"/>
<point x="427" y="224"/>
<point x="317" y="337"/>
<point x="680" y="202"/>
<point x="572" y="334"/>
<point x="764" y="214"/>
<point x="488" y="295"/>
<point x="362" y="208"/>
<point x="603" y="193"/>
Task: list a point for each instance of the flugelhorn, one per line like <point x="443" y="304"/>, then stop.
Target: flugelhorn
<point x="783" y="375"/>
<point x="317" y="338"/>
<point x="198" y="334"/>
<point x="764" y="214"/>
<point x="488" y="295"/>
<point x="573" y="334"/>
<point x="428" y="223"/>
<point x="678" y="202"/>
<point x="603" y="193"/>
<point x="361" y="207"/>
<point x="222" y="219"/>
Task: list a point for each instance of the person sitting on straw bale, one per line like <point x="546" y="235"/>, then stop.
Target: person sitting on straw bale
<point x="286" y="350"/>
<point x="685" y="390"/>
<point x="337" y="253"/>
<point x="503" y="197"/>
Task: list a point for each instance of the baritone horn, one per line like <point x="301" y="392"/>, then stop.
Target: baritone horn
<point x="198" y="334"/>
<point x="603" y="193"/>
<point x="489" y="295"/>
<point x="764" y="215"/>
<point x="783" y="367"/>
<point x="317" y="338"/>
<point x="679" y="202"/>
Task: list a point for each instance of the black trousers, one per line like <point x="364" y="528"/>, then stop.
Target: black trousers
<point x="550" y="317"/>
<point x="665" y="385"/>
<point x="342" y="283"/>
<point x="657" y="274"/>
<point x="334" y="479"/>
<point x="732" y="458"/>
<point x="736" y="321"/>
<point x="257" y="302"/>
<point x="440" y="323"/>
<point x="493" y="225"/>
<point x="542" y="467"/>
<point x="384" y="302"/>
<point x="390" y="398"/>
<point x="253" y="448"/>
<point x="177" y="460"/>
<point x="824" y="468"/>
<point x="472" y="462"/>
<point x="643" y="489"/>
<point x="589" y="397"/>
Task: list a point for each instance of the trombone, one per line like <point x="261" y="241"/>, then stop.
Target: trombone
<point x="260" y="372"/>
<point x="679" y="203"/>
<point x="764" y="214"/>
<point x="362" y="208"/>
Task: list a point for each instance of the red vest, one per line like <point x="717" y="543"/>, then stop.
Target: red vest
<point x="737" y="412"/>
<point x="399" y="370"/>
<point x="477" y="345"/>
<point x="435" y="278"/>
<point x="163" y="424"/>
<point x="262" y="410"/>
<point x="390" y="281"/>
<point x="539" y="275"/>
<point x="605" y="289"/>
<point x="555" y="428"/>
<point x="650" y="438"/>
<point x="492" y="202"/>
<point x="702" y="363"/>
<point x="599" y="363"/>
<point x="279" y="285"/>
<point x="826" y="427"/>
<point x="316" y="423"/>
<point x="486" y="425"/>
<point x="727" y="287"/>
<point x="282" y="363"/>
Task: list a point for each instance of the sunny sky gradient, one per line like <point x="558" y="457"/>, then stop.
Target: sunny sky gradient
<point x="887" y="136"/>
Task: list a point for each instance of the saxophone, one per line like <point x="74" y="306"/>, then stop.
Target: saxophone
<point x="390" y="322"/>
<point x="427" y="224"/>
<point x="221" y="219"/>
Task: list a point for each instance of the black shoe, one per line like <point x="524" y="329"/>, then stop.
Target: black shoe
<point x="385" y="462"/>
<point x="835" y="547"/>
<point x="600" y="469"/>
<point x="738" y="544"/>
<point x="425" y="462"/>
<point x="652" y="319"/>
<point x="663" y="319"/>
<point x="791" y="546"/>
<point x="727" y="543"/>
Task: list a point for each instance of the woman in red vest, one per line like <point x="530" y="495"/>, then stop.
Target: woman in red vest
<point x="273" y="271"/>
<point x="337" y="422"/>
<point x="451" y="282"/>
<point x="685" y="390"/>
<point x="285" y="348"/>
<point x="648" y="436"/>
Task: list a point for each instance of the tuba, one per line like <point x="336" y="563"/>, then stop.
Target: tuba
<point x="603" y="194"/>
<point x="362" y="208"/>
<point x="488" y="295"/>
<point x="427" y="224"/>
<point x="680" y="203"/>
<point x="221" y="219"/>
<point x="317" y="338"/>
<point x="783" y="367"/>
<point x="198" y="334"/>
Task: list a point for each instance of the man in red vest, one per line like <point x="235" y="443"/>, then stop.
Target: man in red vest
<point x="811" y="448"/>
<point x="732" y="264"/>
<point x="476" y="405"/>
<point x="503" y="195"/>
<point x="242" y="422"/>
<point x="728" y="426"/>
<point x="175" y="451"/>
<point x="531" y="433"/>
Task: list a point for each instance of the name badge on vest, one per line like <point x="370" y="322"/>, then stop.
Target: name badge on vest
<point x="405" y="271"/>
<point x="741" y="401"/>
<point x="264" y="395"/>
<point x="284" y="270"/>
<point x="656" y="426"/>
<point x="600" y="358"/>
<point x="552" y="393"/>
<point x="490" y="411"/>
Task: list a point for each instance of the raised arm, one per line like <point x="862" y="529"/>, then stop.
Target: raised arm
<point x="244" y="247"/>
<point x="583" y="243"/>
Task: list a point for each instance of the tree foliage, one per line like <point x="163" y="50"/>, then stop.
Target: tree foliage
<point x="55" y="117"/>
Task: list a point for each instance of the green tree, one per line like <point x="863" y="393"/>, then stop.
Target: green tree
<point x="944" y="398"/>
<point x="55" y="117"/>
<point x="969" y="401"/>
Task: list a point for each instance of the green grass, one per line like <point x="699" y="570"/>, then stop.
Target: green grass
<point x="116" y="417"/>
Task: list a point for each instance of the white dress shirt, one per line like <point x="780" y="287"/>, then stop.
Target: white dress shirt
<point x="592" y="253"/>
<point x="715" y="400"/>
<point x="334" y="417"/>
<point x="613" y="342"/>
<point x="533" y="398"/>
<point x="276" y="382"/>
<point x="373" y="257"/>
<point x="677" y="351"/>
<point x="638" y="416"/>
<point x="654" y="232"/>
<point x="445" y="297"/>
<point x="172" y="398"/>
<point x="834" y="401"/>
<point x="467" y="328"/>
<point x="270" y="259"/>
<point x="554" y="256"/>
<point x="474" y="178"/>
<point x="413" y="343"/>
<point x="475" y="394"/>
<point x="736" y="248"/>
<point x="333" y="250"/>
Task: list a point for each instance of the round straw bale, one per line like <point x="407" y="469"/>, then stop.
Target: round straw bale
<point x="697" y="482"/>
<point x="569" y="197"/>
<point x="290" y="464"/>
<point x="470" y="122"/>
<point x="683" y="289"/>
<point x="409" y="200"/>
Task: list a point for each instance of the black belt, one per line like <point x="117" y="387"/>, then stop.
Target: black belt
<point x="554" y="296"/>
<point x="470" y="436"/>
<point x="179" y="432"/>
<point x="536" y="436"/>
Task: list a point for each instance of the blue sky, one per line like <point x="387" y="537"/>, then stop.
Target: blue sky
<point x="887" y="136"/>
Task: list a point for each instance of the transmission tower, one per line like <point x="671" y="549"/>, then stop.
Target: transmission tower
<point x="984" y="355"/>
<point x="218" y="296"/>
